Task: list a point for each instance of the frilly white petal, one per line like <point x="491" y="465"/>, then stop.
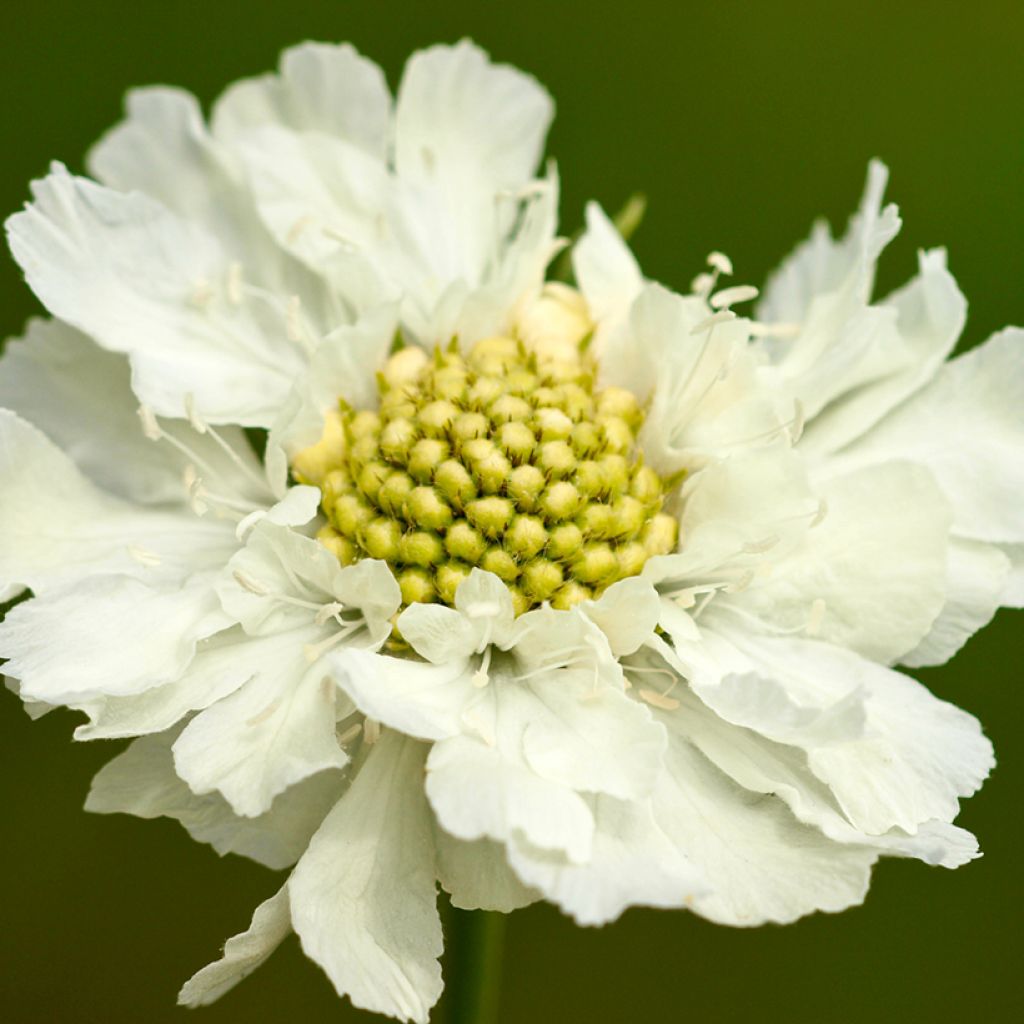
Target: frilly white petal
<point x="967" y="427"/>
<point x="80" y="396"/>
<point x="891" y="356"/>
<point x="107" y="635"/>
<point x="760" y="863"/>
<point x="422" y="700"/>
<point x="477" y="875"/>
<point x="633" y="863"/>
<point x="873" y="519"/>
<point x="478" y="791"/>
<point x="909" y="763"/>
<point x="607" y="272"/>
<point x="142" y="781"/>
<point x="319" y="87"/>
<point x="363" y="897"/>
<point x="135" y="276"/>
<point x="243" y="953"/>
<point x="274" y="731"/>
<point x="56" y="527"/>
<point x="976" y="578"/>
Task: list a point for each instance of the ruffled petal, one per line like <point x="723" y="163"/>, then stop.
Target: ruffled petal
<point x="477" y="875"/>
<point x="426" y="701"/>
<point x="142" y="280"/>
<point x="895" y="360"/>
<point x="967" y="427"/>
<point x="465" y="131"/>
<point x="478" y="791"/>
<point x="363" y="896"/>
<point x="56" y="527"/>
<point x="873" y="519"/>
<point x="142" y="781"/>
<point x="908" y="759"/>
<point x="243" y="953"/>
<point x="760" y="863"/>
<point x="107" y="635"/>
<point x="274" y="731"/>
<point x="319" y="87"/>
<point x="976" y="578"/>
<point x="632" y="863"/>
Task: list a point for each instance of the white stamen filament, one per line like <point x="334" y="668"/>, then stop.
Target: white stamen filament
<point x="480" y="677"/>
<point x="721" y="317"/>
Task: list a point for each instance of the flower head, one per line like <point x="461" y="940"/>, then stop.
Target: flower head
<point x="589" y="594"/>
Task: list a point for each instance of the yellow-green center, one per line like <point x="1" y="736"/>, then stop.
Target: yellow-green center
<point x="505" y="458"/>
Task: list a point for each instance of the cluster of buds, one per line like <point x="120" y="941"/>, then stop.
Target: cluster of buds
<point x="506" y="458"/>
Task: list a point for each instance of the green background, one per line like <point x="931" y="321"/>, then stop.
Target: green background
<point x="741" y="122"/>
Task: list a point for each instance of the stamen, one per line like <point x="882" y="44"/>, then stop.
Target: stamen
<point x="371" y="731"/>
<point x="350" y="733"/>
<point x="730" y="296"/>
<point x="149" y="559"/>
<point x="265" y="713"/>
<point x="721" y="263"/>
<point x="250" y="583"/>
<point x="480" y="677"/>
<point x="721" y="317"/>
<point x="195" y="421"/>
<point x="816" y="617"/>
<point x="235" y="284"/>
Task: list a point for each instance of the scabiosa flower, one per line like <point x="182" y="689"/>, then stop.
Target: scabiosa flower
<point x="589" y="594"/>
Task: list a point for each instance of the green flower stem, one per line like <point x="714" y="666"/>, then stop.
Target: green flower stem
<point x="476" y="941"/>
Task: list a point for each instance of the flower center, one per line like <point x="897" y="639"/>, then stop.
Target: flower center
<point x="506" y="458"/>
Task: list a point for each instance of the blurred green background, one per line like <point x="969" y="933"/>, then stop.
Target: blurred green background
<point x="742" y="123"/>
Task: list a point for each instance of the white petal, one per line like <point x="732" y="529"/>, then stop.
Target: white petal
<point x="876" y="518"/>
<point x="633" y="863"/>
<point x="243" y="953"/>
<point x="80" y="396"/>
<point x="438" y="633"/>
<point x="483" y="615"/>
<point x="362" y="896"/>
<point x="627" y="613"/>
<point x="467" y="123"/>
<point x="344" y="365"/>
<point x="1013" y="592"/>
<point x="278" y="562"/>
<point x="976" y="576"/>
<point x="479" y="791"/>
<point x="274" y="731"/>
<point x="142" y="781"/>
<point x="220" y="667"/>
<point x="967" y="427"/>
<point x="56" y="527"/>
<point x="142" y="280"/>
<point x="607" y="272"/>
<point x="593" y="739"/>
<point x="477" y="875"/>
<point x="737" y="514"/>
<point x="468" y="135"/>
<point x="820" y="265"/>
<point x="763" y="766"/>
<point x="760" y="863"/>
<point x="107" y="635"/>
<point x="709" y="395"/>
<point x="426" y="701"/>
<point x="914" y="757"/>
<point x="319" y="87"/>
<point x="893" y="363"/>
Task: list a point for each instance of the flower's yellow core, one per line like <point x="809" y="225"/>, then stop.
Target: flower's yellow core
<point x="506" y="458"/>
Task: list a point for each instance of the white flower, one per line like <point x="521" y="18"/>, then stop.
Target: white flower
<point x="590" y="596"/>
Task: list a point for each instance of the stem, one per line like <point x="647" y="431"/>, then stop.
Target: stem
<point x="474" y="978"/>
